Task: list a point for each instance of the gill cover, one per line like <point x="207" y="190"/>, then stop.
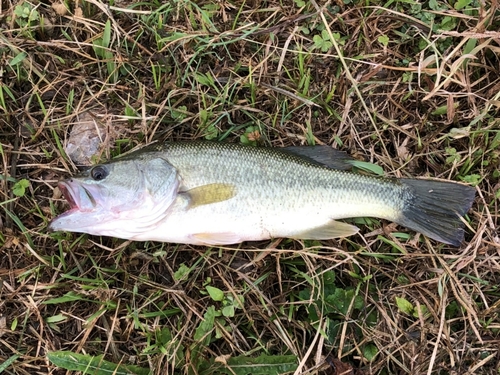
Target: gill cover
<point x="123" y="196"/>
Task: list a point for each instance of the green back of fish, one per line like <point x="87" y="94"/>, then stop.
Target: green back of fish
<point x="283" y="174"/>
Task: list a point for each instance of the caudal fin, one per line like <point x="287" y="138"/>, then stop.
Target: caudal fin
<point x="434" y="208"/>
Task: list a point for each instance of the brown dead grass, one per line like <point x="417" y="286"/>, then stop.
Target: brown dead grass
<point x="382" y="109"/>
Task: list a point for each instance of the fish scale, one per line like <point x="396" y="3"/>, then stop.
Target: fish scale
<point x="270" y="175"/>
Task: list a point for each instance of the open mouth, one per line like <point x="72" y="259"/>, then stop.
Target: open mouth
<point x="84" y="209"/>
<point x="67" y="195"/>
<point x="77" y="196"/>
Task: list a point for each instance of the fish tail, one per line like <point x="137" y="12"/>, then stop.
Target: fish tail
<point x="434" y="208"/>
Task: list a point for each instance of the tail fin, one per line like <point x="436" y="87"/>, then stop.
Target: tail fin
<point x="434" y="208"/>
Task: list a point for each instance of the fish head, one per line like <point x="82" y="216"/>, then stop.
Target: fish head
<point x="118" y="196"/>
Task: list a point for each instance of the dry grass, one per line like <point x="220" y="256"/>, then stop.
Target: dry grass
<point x="413" y="88"/>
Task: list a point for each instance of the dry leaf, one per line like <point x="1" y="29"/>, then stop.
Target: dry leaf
<point x="60" y="9"/>
<point x="78" y="12"/>
<point x="85" y="139"/>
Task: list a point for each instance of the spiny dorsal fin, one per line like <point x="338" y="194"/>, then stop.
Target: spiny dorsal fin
<point x="211" y="193"/>
<point x="324" y="155"/>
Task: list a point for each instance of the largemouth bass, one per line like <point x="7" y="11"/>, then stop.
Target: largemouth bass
<point x="208" y="193"/>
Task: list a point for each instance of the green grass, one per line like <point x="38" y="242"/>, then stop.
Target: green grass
<point x="407" y="88"/>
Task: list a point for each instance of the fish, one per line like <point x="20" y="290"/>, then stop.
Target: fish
<point x="215" y="193"/>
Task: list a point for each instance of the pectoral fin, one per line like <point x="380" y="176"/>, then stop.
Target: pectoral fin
<point x="333" y="229"/>
<point x="211" y="193"/>
<point x="222" y="238"/>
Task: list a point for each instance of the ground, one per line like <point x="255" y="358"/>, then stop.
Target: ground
<point x="412" y="87"/>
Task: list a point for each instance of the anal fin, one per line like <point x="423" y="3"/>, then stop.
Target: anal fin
<point x="333" y="229"/>
<point x="222" y="238"/>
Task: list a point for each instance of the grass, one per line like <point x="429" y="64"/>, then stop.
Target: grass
<point x="412" y="87"/>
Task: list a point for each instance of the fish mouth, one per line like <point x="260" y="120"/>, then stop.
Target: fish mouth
<point x="83" y="207"/>
<point x="78" y="197"/>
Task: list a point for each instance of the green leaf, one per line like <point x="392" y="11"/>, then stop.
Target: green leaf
<point x="321" y="43"/>
<point x="424" y="311"/>
<point x="370" y="351"/>
<point x="495" y="143"/>
<point x="404" y="305"/>
<point x="384" y="40"/>
<point x="68" y="297"/>
<point x="56" y="318"/>
<point x="18" y="58"/>
<point x="5" y="364"/>
<point x="454" y="156"/>
<point x="92" y="365"/>
<point x="204" y="79"/>
<point x="206" y="326"/>
<point x="337" y="37"/>
<point x="179" y="113"/>
<point x="451" y="150"/>
<point x="403" y="279"/>
<point x="215" y="293"/>
<point x="367" y="167"/>
<point x="470" y="45"/>
<point x="448" y="23"/>
<point x="340" y="301"/>
<point x="305" y="30"/>
<point x="329" y="282"/>
<point x="97" y="46"/>
<point x="433" y="4"/>
<point x="228" y="311"/>
<point x="175" y="36"/>
<point x="460" y="4"/>
<point x="452" y="310"/>
<point x="242" y="365"/>
<point x="441" y="110"/>
<point x="19" y="187"/>
<point x="211" y="132"/>
<point x="239" y="301"/>
<point x="204" y="116"/>
<point x="34" y="16"/>
<point x="106" y="36"/>
<point x="473" y="179"/>
<point x="163" y="336"/>
<point x="19" y="11"/>
<point x="182" y="272"/>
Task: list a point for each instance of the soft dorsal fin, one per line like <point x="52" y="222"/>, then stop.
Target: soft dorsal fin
<point x="211" y="193"/>
<point x="324" y="155"/>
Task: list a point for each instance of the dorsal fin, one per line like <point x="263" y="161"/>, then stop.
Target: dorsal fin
<point x="323" y="155"/>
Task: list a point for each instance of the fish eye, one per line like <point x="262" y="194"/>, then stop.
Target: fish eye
<point x="99" y="173"/>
